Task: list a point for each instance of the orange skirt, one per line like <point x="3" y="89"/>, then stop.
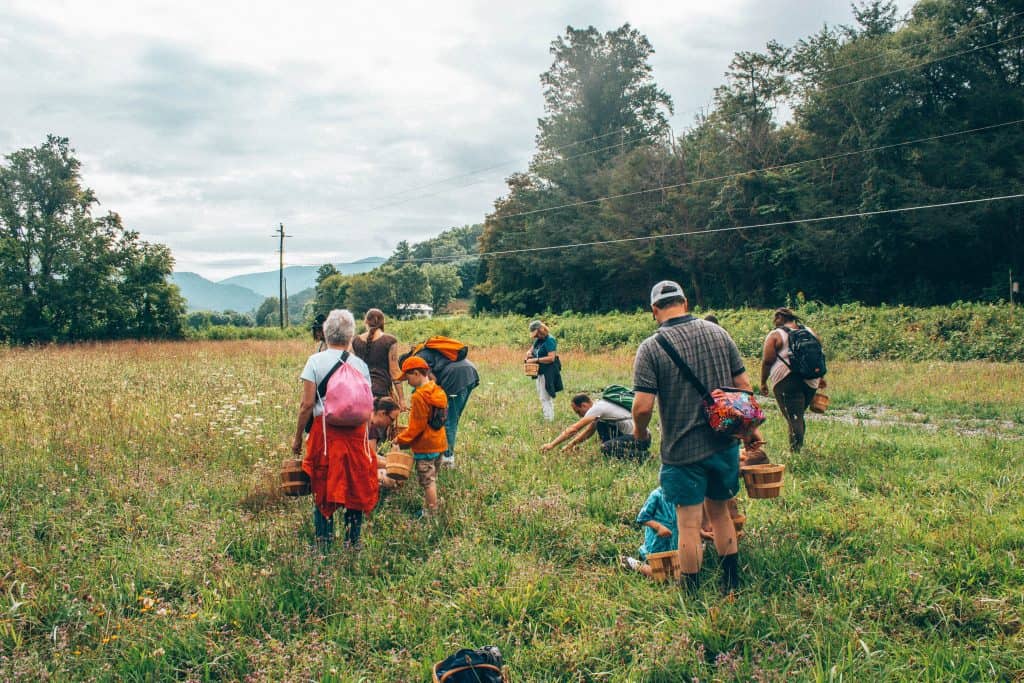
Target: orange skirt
<point x="346" y="477"/>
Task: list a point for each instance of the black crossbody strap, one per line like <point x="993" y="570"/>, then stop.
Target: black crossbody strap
<point x="322" y="387"/>
<point x="683" y="367"/>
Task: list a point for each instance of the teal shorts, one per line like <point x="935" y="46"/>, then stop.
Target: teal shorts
<point x="716" y="477"/>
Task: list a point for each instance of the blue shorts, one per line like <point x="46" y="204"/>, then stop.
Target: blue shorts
<point x="716" y="477"/>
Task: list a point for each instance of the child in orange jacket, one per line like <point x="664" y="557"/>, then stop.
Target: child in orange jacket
<point x="425" y="435"/>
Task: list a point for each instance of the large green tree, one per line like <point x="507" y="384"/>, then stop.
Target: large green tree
<point x="67" y="275"/>
<point x="601" y="102"/>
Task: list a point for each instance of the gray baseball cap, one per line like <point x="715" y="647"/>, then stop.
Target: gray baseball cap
<point x="534" y="325"/>
<point x="666" y="289"/>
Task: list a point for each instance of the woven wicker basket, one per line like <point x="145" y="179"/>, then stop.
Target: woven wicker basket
<point x="294" y="481"/>
<point x="399" y="465"/>
<point x="763" y="481"/>
<point x="665" y="566"/>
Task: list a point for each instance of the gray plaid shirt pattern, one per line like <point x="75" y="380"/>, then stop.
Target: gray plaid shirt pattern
<point x="712" y="355"/>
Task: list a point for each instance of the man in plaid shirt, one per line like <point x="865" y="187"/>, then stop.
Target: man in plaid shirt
<point x="697" y="463"/>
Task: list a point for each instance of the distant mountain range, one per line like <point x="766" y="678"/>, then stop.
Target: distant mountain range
<point x="298" y="277"/>
<point x="244" y="293"/>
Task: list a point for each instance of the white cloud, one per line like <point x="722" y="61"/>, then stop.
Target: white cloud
<point x="205" y="124"/>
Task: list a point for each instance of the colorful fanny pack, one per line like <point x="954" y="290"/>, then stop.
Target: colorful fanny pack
<point x="728" y="410"/>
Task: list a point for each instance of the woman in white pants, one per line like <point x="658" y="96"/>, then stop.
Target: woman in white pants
<point x="543" y="353"/>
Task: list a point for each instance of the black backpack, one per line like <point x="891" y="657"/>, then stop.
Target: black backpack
<point x="437" y="418"/>
<point x="471" y="666"/>
<point x="806" y="357"/>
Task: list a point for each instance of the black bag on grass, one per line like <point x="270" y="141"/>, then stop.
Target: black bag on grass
<point x="471" y="666"/>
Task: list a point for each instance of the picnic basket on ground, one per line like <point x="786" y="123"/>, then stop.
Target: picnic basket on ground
<point x="665" y="566"/>
<point x="294" y="480"/>
<point x="532" y="369"/>
<point x="399" y="465"/>
<point x="763" y="481"/>
<point x="819" y="403"/>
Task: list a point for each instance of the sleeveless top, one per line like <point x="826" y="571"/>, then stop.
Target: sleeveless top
<point x="376" y="354"/>
<point x="780" y="370"/>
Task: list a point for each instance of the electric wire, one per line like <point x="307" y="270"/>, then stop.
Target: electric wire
<point x="906" y="48"/>
<point x="516" y="161"/>
<point x="617" y="131"/>
<point x="818" y="90"/>
<point x="918" y="65"/>
<point x="748" y="172"/>
<point x="409" y="200"/>
<point x="777" y="167"/>
<point x="708" y="231"/>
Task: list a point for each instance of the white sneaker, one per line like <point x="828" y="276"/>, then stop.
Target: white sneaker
<point x="448" y="461"/>
<point x="629" y="563"/>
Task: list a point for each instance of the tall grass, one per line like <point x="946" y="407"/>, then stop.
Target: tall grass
<point x="141" y="538"/>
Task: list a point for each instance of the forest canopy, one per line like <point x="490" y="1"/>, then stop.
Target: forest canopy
<point x="859" y="119"/>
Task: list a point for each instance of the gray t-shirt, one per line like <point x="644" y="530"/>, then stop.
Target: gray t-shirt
<point x="319" y="364"/>
<point x="606" y="411"/>
<point x="711" y="353"/>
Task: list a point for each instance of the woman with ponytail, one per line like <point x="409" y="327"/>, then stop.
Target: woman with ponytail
<point x="380" y="352"/>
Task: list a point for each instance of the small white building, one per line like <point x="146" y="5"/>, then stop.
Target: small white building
<point x="410" y="311"/>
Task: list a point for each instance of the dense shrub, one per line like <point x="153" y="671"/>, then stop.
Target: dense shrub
<point x="962" y="331"/>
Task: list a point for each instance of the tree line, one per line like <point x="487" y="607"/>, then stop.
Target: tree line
<point x="783" y="141"/>
<point x="66" y="274"/>
<point x="435" y="272"/>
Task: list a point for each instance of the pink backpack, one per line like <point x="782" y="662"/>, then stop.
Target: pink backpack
<point x="346" y="396"/>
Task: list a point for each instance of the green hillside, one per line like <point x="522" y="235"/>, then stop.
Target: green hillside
<point x="203" y="295"/>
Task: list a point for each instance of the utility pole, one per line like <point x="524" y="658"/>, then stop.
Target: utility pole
<point x="280" y="288"/>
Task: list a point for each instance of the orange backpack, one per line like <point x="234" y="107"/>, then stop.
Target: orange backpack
<point x="452" y="349"/>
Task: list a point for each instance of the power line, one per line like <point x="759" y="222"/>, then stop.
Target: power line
<point x="946" y="39"/>
<point x="918" y="65"/>
<point x="778" y="167"/>
<point x="516" y="161"/>
<point x="733" y="228"/>
<point x="637" y="139"/>
<point x="462" y="187"/>
<point x="700" y="181"/>
<point x="818" y="90"/>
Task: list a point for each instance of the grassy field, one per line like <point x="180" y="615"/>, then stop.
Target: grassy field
<point x="141" y="536"/>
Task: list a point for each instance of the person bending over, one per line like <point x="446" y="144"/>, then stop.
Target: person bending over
<point x="612" y="423"/>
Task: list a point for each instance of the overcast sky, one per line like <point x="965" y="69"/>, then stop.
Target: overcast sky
<point x="205" y="124"/>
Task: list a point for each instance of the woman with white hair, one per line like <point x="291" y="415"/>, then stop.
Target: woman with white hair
<point x="342" y="471"/>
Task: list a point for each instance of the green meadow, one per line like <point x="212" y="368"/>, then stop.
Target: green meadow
<point x="142" y="537"/>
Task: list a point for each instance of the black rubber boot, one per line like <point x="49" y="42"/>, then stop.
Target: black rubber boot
<point x="730" y="573"/>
